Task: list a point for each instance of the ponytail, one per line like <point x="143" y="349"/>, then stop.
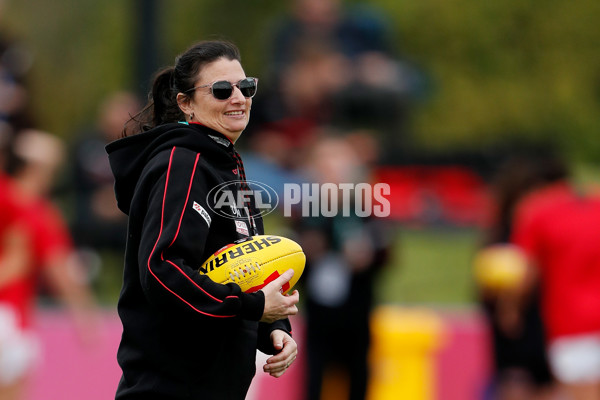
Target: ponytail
<point x="161" y="108"/>
<point x="164" y="96"/>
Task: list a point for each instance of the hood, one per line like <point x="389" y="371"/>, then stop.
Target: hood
<point x="128" y="156"/>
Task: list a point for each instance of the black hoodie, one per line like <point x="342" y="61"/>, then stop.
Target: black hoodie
<point x="184" y="336"/>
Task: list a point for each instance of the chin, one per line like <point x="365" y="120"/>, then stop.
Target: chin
<point x="236" y="136"/>
<point x="236" y="130"/>
<point x="233" y="135"/>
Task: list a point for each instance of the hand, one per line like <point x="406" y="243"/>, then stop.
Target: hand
<point x="288" y="350"/>
<point x="277" y="305"/>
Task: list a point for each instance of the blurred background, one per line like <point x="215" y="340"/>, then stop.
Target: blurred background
<point x="431" y="97"/>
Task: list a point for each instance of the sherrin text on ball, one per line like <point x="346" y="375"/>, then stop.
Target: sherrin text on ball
<point x="255" y="261"/>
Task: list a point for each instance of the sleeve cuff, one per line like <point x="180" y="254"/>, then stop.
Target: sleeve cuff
<point x="253" y="305"/>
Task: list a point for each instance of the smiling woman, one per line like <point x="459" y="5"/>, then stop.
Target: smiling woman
<point x="230" y="113"/>
<point x="172" y="316"/>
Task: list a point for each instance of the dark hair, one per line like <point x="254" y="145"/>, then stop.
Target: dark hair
<point x="167" y="83"/>
<point x="515" y="178"/>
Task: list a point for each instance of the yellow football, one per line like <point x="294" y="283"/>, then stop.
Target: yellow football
<point x="501" y="266"/>
<point x="255" y="261"/>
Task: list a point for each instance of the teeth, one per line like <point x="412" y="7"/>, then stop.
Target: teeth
<point x="234" y="113"/>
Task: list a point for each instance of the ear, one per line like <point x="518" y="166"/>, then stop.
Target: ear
<point x="183" y="101"/>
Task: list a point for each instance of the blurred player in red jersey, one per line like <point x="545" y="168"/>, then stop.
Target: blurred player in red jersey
<point x="559" y="229"/>
<point x="35" y="242"/>
<point x="521" y="368"/>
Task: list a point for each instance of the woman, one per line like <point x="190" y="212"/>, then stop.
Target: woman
<point x="185" y="336"/>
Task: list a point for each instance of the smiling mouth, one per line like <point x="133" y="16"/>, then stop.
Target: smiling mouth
<point x="235" y="113"/>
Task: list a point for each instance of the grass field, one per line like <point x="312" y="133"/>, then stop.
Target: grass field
<point x="429" y="266"/>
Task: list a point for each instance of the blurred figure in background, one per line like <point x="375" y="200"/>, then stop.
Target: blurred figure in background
<point x="16" y="348"/>
<point x="98" y="224"/>
<point x="521" y="368"/>
<point x="300" y="100"/>
<point x="352" y="32"/>
<point x="558" y="227"/>
<point x="344" y="255"/>
<point x="333" y="65"/>
<point x="269" y="156"/>
<point x="38" y="244"/>
<point x="15" y="63"/>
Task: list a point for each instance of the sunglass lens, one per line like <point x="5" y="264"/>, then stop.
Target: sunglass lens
<point x="222" y="90"/>
<point x="248" y="87"/>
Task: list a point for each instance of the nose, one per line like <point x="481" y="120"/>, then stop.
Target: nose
<point x="237" y="96"/>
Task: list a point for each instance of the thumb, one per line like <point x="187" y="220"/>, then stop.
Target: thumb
<point x="277" y="339"/>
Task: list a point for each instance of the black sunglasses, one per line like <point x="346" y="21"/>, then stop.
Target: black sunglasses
<point x="222" y="90"/>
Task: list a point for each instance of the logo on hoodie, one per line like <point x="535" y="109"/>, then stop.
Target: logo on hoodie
<point x="220" y="140"/>
<point x="203" y="213"/>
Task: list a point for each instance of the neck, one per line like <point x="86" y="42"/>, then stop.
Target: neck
<point x="228" y="137"/>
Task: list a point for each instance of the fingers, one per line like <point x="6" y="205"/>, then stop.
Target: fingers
<point x="278" y="369"/>
<point x="290" y="301"/>
<point x="277" y="305"/>
<point x="282" y="279"/>
<point x="279" y="363"/>
<point x="294" y="296"/>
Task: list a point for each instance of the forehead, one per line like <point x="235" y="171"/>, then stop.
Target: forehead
<point x="222" y="69"/>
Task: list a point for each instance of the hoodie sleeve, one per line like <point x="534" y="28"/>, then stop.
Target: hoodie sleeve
<point x="172" y="243"/>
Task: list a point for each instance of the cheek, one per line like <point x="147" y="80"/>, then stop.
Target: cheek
<point x="212" y="110"/>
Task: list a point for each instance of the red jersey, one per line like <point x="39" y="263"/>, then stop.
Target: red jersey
<point x="48" y="236"/>
<point x="560" y="231"/>
<point x="7" y="205"/>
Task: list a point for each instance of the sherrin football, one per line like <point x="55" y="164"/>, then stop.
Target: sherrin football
<point x="255" y="261"/>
